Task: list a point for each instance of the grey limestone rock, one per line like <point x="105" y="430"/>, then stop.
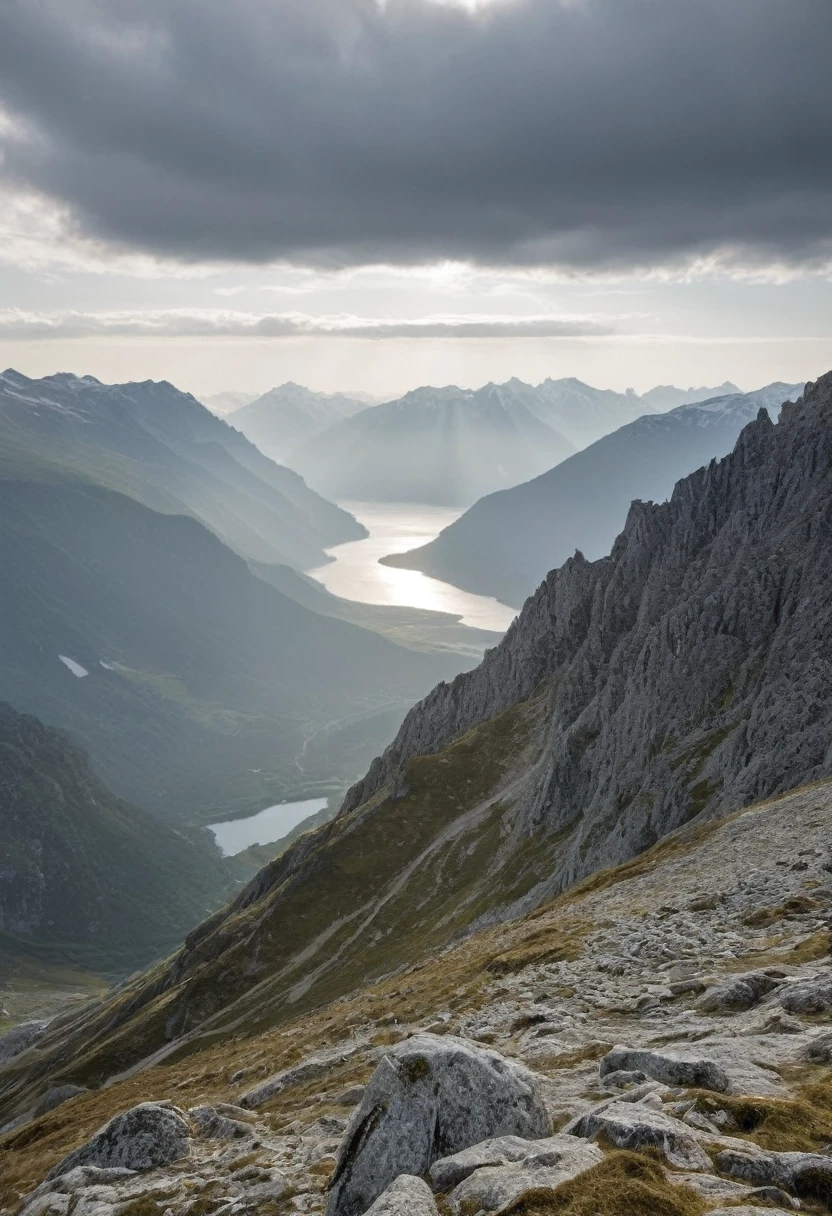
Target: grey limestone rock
<point x="741" y="992"/>
<point x="492" y="1187"/>
<point x="554" y="1152"/>
<point x="432" y="1096"/>
<point x="407" y="1196"/>
<point x="215" y="1126"/>
<point x="145" y="1136"/>
<point x="807" y="1175"/>
<point x="747" y="1209"/>
<point x="819" y="1051"/>
<point x="630" y="1125"/>
<point x="814" y="996"/>
<point x="668" y="1067"/>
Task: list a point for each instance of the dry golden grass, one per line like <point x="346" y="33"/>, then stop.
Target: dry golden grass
<point x="623" y="1184"/>
<point x="801" y="1125"/>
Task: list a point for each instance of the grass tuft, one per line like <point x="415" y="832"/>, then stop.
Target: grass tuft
<point x="623" y="1184"/>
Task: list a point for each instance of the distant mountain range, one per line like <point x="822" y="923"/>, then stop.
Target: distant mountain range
<point x="505" y="544"/>
<point x="290" y="415"/>
<point x="443" y="446"/>
<point x="193" y="684"/>
<point x="166" y="450"/>
<point x="226" y="403"/>
<point x="87" y="878"/>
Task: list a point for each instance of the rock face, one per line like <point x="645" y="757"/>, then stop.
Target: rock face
<point x="662" y="707"/>
<point x="430" y="1098"/>
<point x="145" y="1136"/>
<point x="546" y="1163"/>
<point x="807" y="1175"/>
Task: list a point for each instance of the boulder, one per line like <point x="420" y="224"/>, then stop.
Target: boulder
<point x="407" y="1196"/>
<point x="431" y="1097"/>
<point x="808" y="1175"/>
<point x="633" y="1126"/>
<point x="813" y="996"/>
<point x="819" y="1051"/>
<point x="141" y="1138"/>
<point x="549" y="1163"/>
<point x="740" y="992"/>
<point x="671" y="1069"/>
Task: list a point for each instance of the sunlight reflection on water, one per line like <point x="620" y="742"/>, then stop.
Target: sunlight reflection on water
<point x="395" y="528"/>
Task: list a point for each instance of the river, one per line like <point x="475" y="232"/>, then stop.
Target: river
<point x="355" y="574"/>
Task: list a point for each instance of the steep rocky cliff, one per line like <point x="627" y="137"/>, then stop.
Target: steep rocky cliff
<point x="683" y="676"/>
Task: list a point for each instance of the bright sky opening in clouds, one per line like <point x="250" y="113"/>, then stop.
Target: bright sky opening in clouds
<point x="366" y="196"/>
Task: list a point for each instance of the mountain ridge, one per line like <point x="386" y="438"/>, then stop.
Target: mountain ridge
<point x="683" y="676"/>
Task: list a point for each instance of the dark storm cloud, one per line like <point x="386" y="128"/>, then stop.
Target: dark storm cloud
<point x="585" y="133"/>
<point x="201" y="323"/>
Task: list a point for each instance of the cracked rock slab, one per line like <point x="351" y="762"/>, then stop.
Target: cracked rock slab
<point x="492" y="1187"/>
<point x="636" y="1127"/>
<point x="668" y="1067"/>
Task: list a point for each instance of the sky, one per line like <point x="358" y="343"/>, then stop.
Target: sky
<point x="375" y="194"/>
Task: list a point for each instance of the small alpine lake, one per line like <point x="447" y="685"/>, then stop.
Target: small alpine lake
<point x="266" y="826"/>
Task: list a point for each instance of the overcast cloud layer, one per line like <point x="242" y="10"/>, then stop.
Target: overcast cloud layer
<point x="207" y="323"/>
<point x="587" y="134"/>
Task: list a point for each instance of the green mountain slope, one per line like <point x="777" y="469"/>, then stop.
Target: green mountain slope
<point x="168" y="452"/>
<point x="203" y="684"/>
<point x="87" y="879"/>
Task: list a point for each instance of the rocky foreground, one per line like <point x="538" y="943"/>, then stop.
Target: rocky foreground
<point x="656" y="1041"/>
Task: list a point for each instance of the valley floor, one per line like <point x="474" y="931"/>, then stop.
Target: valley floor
<point x="711" y="948"/>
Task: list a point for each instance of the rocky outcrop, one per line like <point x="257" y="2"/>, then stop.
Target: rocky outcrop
<point x="145" y="1136"/>
<point x="815" y="996"/>
<point x="430" y="1098"/>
